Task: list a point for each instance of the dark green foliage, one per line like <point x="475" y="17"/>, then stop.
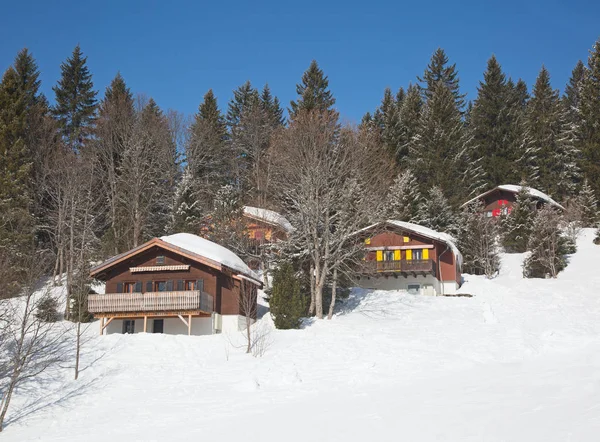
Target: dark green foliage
<point x="572" y="96"/>
<point x="403" y="198"/>
<point x="517" y="227"/>
<point x="28" y="74"/>
<point x="547" y="245"/>
<point x="589" y="131"/>
<point x="438" y="71"/>
<point x="244" y="98"/>
<point x="387" y="120"/>
<point x="435" y="212"/>
<point x="409" y="116"/>
<point x="588" y="205"/>
<point x="75" y="107"/>
<point x="272" y="107"/>
<point x="47" y="310"/>
<point x="477" y="240"/>
<point x="313" y="92"/>
<point x="287" y="305"/>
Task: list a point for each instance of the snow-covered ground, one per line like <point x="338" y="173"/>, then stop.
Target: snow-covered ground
<point x="519" y="361"/>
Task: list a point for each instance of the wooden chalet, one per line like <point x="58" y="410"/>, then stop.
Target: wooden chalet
<point x="501" y="199"/>
<point x="406" y="256"/>
<point x="264" y="227"/>
<point x="177" y="284"/>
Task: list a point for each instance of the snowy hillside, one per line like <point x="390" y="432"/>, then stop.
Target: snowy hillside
<point x="519" y="361"/>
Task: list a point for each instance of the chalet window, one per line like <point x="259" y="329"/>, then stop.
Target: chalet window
<point x="414" y="289"/>
<point x="368" y="241"/>
<point x="388" y="255"/>
<point x="160" y="286"/>
<point x="488" y="214"/>
<point x="200" y="285"/>
<point x="160" y="260"/>
<point x="158" y="326"/>
<point x="405" y="239"/>
<point x="180" y="285"/>
<point x="417" y="254"/>
<point x="128" y="326"/>
<point x="190" y="285"/>
<point x="129" y="287"/>
<point x="138" y="287"/>
<point x="119" y="287"/>
<point x="169" y="286"/>
<point x="148" y="286"/>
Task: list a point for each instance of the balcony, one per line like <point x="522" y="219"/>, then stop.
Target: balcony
<point x="420" y="266"/>
<point x="151" y="302"/>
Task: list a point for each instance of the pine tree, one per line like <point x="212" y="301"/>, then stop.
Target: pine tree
<point x="550" y="141"/>
<point x="272" y="107"/>
<point x="572" y="96"/>
<point x="442" y="152"/>
<point x="244" y="98"/>
<point x="409" y="116"/>
<point x="387" y="119"/>
<point x="438" y="71"/>
<point x="547" y="245"/>
<point x="187" y="210"/>
<point x="313" y="92"/>
<point x="435" y="212"/>
<point x="76" y="104"/>
<point x="403" y="198"/>
<point x="590" y="116"/>
<point x="517" y="226"/>
<point x="28" y="73"/>
<point x="477" y="239"/>
<point x="588" y="204"/>
<point x="286" y="304"/>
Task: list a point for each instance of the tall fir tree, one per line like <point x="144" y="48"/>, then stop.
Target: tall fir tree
<point x="590" y="116"/>
<point x="244" y="98"/>
<point x="438" y="71"/>
<point x="549" y="141"/>
<point x="588" y="205"/>
<point x="187" y="211"/>
<point x="387" y="119"/>
<point x="572" y="96"/>
<point x="403" y="198"/>
<point x="435" y="212"/>
<point x="517" y="226"/>
<point x="313" y="92"/>
<point x="271" y="106"/>
<point x="409" y="116"/>
<point x="75" y="107"/>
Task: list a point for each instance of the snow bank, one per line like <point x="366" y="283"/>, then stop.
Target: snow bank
<point x="210" y="250"/>
<point x="269" y="217"/>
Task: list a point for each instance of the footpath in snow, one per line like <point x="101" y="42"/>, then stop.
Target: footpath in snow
<point x="519" y="361"/>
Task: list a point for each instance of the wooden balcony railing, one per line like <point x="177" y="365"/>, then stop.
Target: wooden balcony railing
<point x="408" y="266"/>
<point x="151" y="301"/>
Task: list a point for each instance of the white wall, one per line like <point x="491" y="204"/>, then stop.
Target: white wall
<point x="429" y="284"/>
<point x="229" y="323"/>
<point x="171" y="326"/>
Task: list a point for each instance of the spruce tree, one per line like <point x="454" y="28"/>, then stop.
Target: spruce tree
<point x="438" y="71"/>
<point x="187" y="210"/>
<point x="272" y="107"/>
<point x="403" y="198"/>
<point x="409" y="116"/>
<point x="588" y="205"/>
<point x="313" y="92"/>
<point x="28" y="73"/>
<point x="76" y="104"/>
<point x="477" y="240"/>
<point x="435" y="212"/>
<point x="286" y="303"/>
<point x="244" y="97"/>
<point x="572" y="96"/>
<point x="517" y="226"/>
<point x="590" y="116"/>
<point x="387" y="119"/>
<point x="547" y="244"/>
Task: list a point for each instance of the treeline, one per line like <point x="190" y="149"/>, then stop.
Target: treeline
<point x="92" y="176"/>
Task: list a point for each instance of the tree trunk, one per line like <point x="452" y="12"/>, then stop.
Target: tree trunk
<point x="311" y="309"/>
<point x="77" y="350"/>
<point x="333" y="290"/>
<point x="7" y="396"/>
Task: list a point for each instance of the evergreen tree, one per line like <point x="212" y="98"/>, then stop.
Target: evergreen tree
<point x="286" y="303"/>
<point x="550" y="141"/>
<point x="438" y="71"/>
<point x="313" y="92"/>
<point x="517" y="226"/>
<point x="477" y="239"/>
<point x="28" y="73"/>
<point x="572" y="96"/>
<point x="75" y="107"/>
<point x="443" y="153"/>
<point x="409" y="116"/>
<point x="187" y="210"/>
<point x="590" y="116"/>
<point x="272" y="107"/>
<point x="588" y="204"/>
<point x="244" y="98"/>
<point x="547" y="244"/>
<point x="387" y="119"/>
<point x="403" y="198"/>
<point x="435" y="212"/>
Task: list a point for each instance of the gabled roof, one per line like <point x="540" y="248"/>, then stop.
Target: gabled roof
<point x="193" y="247"/>
<point x="423" y="231"/>
<point x="514" y="188"/>
<point x="269" y="217"/>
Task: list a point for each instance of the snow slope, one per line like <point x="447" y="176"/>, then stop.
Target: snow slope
<point x="519" y="361"/>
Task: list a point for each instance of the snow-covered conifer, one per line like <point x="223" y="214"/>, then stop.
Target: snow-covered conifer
<point x="435" y="212"/>
<point x="478" y="242"/>
<point x="547" y="244"/>
<point x="403" y="198"/>
<point x="516" y="227"/>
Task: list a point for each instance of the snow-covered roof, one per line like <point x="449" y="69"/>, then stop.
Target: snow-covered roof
<point x="208" y="249"/>
<point x="514" y="188"/>
<point x="269" y="217"/>
<point x="426" y="232"/>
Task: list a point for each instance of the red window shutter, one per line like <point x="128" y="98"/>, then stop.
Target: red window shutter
<point x="496" y="212"/>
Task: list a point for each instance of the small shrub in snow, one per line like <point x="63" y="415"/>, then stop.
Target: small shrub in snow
<point x="286" y="302"/>
<point x="547" y="244"/>
<point x="47" y="310"/>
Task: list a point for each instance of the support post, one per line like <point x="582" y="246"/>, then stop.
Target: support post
<point x="145" y="323"/>
<point x="189" y="325"/>
<point x="106" y="323"/>
<point x="101" y="326"/>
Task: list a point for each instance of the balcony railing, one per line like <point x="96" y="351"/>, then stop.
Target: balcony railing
<point x="151" y="301"/>
<point x="408" y="266"/>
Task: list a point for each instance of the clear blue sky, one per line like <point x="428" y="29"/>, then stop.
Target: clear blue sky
<point x="175" y="51"/>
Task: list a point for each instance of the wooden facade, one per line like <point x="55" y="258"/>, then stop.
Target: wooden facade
<point x="160" y="280"/>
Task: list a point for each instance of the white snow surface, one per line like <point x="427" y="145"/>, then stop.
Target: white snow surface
<point x="514" y="188"/>
<point x="208" y="249"/>
<point x="269" y="216"/>
<point x="519" y="361"/>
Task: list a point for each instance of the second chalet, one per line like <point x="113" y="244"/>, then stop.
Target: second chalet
<point x="177" y="284"/>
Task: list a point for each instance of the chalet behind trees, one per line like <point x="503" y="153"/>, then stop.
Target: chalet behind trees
<point x="178" y="284"/>
<point x="501" y="199"/>
<point x="406" y="256"/>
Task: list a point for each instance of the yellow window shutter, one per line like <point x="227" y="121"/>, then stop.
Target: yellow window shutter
<point x="406" y="239"/>
<point x="396" y="255"/>
<point x="379" y="255"/>
<point x="368" y="241"/>
<point x="408" y="255"/>
<point x="425" y="253"/>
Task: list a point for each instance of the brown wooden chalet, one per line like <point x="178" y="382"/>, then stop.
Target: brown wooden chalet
<point x="175" y="284"/>
<point x="501" y="199"/>
<point x="406" y="256"/>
